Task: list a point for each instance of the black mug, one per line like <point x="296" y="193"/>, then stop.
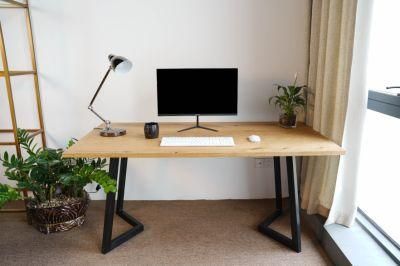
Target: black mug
<point x="151" y="130"/>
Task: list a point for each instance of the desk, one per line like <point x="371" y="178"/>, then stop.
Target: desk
<point x="275" y="142"/>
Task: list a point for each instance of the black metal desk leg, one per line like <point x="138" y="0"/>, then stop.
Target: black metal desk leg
<point x="121" y="184"/>
<point x="294" y="242"/>
<point x="278" y="183"/>
<point x="294" y="203"/>
<point x="108" y="242"/>
<point x="109" y="211"/>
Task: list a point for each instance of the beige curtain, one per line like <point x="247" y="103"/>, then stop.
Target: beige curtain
<point x="331" y="51"/>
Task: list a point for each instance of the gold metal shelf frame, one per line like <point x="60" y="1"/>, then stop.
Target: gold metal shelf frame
<point x="6" y="73"/>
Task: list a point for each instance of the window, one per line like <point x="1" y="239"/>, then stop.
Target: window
<point x="379" y="191"/>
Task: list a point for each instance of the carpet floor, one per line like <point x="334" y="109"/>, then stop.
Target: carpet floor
<point x="176" y="233"/>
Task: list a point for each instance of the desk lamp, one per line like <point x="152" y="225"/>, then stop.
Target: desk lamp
<point x="118" y="64"/>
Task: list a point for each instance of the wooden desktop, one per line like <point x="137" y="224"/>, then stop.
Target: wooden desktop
<point x="275" y="142"/>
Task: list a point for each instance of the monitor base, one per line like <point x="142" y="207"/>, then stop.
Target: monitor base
<point x="197" y="126"/>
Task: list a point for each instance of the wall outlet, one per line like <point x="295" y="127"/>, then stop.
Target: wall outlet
<point x="264" y="163"/>
<point x="259" y="163"/>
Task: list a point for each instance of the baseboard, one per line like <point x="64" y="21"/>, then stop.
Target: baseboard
<point x="347" y="246"/>
<point x="316" y="223"/>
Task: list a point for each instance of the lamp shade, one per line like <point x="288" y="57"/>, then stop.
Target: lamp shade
<point x="119" y="64"/>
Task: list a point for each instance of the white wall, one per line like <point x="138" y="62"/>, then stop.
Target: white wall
<point x="266" y="39"/>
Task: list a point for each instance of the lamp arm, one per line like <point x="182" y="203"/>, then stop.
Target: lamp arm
<point x="90" y="107"/>
<point x="107" y="122"/>
<point x="101" y="85"/>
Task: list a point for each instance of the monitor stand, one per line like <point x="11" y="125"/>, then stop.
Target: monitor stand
<point x="197" y="126"/>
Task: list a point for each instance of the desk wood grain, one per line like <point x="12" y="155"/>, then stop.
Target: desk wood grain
<point x="275" y="141"/>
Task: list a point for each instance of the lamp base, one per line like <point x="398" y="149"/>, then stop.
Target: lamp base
<point x="112" y="132"/>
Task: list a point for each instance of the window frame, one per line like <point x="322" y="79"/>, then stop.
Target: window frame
<point x="391" y="247"/>
<point x="386" y="103"/>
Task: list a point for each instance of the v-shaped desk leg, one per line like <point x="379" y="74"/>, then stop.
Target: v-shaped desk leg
<point x="294" y="242"/>
<point x="137" y="227"/>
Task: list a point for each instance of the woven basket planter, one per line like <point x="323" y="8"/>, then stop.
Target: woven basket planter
<point x="62" y="216"/>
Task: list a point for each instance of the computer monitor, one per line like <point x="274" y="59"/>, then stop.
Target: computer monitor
<point x="197" y="91"/>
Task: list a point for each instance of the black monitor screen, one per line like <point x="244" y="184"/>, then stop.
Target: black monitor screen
<point x="202" y="91"/>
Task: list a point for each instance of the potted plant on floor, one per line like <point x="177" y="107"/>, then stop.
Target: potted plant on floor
<point x="59" y="200"/>
<point x="290" y="100"/>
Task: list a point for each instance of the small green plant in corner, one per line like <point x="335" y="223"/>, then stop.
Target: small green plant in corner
<point x="290" y="100"/>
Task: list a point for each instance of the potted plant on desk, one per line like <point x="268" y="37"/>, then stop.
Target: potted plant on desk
<point x="59" y="200"/>
<point x="290" y="100"/>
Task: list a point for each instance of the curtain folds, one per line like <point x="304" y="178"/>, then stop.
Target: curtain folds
<point x="344" y="206"/>
<point x="331" y="53"/>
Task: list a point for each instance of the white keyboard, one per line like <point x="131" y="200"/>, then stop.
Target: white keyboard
<point x="197" y="141"/>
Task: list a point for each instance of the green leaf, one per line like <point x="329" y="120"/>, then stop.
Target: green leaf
<point x="7" y="194"/>
<point x="70" y="143"/>
<point x="289" y="98"/>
